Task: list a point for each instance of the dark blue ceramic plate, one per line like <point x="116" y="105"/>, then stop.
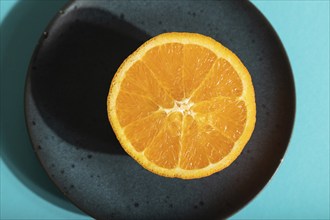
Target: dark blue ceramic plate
<point x="67" y="86"/>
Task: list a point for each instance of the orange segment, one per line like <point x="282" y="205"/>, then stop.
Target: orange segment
<point x="165" y="147"/>
<point x="226" y="115"/>
<point x="141" y="132"/>
<point x="193" y="153"/>
<point x="182" y="105"/>
<point x="222" y="80"/>
<point x="202" y="145"/>
<point x="166" y="62"/>
<point x="197" y="62"/>
<point x="129" y="108"/>
<point x="148" y="87"/>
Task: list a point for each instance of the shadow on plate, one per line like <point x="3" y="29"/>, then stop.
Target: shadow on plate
<point x="20" y="31"/>
<point x="71" y="72"/>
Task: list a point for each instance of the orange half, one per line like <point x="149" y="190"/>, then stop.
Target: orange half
<point x="182" y="105"/>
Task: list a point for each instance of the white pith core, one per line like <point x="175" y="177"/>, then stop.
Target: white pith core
<point x="182" y="106"/>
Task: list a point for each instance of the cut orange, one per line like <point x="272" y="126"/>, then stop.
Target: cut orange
<point x="182" y="105"/>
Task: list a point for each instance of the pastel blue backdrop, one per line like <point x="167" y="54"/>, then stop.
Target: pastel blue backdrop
<point x="300" y="187"/>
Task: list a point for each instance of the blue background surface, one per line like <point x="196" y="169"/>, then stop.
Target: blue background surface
<point x="298" y="190"/>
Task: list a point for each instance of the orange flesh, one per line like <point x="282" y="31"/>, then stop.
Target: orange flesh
<point x="183" y="108"/>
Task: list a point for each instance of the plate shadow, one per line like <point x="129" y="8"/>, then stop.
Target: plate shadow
<point x="20" y="31"/>
<point x="71" y="72"/>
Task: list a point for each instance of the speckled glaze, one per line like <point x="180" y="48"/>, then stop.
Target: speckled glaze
<point x="65" y="103"/>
